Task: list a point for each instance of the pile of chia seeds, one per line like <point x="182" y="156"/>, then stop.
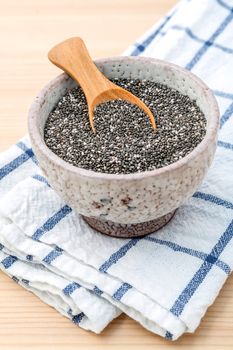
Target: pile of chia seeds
<point x="124" y="141"/>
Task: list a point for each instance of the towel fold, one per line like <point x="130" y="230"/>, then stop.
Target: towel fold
<point x="167" y="280"/>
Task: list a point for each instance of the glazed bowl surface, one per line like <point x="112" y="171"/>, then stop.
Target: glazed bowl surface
<point x="127" y="198"/>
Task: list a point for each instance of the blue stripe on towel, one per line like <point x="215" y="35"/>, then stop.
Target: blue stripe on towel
<point x="168" y="335"/>
<point x="225" y="145"/>
<point x="78" y="318"/>
<point x="15" y="279"/>
<point x="223" y="4"/>
<point x="8" y="261"/>
<point x="53" y="255"/>
<point x="41" y="179"/>
<point x="142" y="46"/>
<point x="209" y="42"/>
<point x="213" y="199"/>
<point x="14" y="164"/>
<point x="202" y="272"/>
<point x="51" y="222"/>
<point x="195" y="253"/>
<point x="223" y="94"/>
<point x="119" y="254"/>
<point x="24" y="148"/>
<point x="97" y="291"/>
<point x="121" y="291"/>
<point x="196" y="38"/>
<point x="226" y="115"/>
<point x="24" y="281"/>
<point x="70" y="288"/>
<point x="29" y="257"/>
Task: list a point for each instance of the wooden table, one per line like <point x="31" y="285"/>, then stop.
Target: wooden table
<point x="28" y="28"/>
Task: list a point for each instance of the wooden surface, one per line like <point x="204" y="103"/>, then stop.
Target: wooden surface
<point x="28" y="29"/>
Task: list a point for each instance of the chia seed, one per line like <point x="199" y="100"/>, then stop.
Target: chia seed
<point x="124" y="141"/>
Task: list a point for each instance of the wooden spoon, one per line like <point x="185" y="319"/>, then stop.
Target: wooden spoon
<point x="72" y="56"/>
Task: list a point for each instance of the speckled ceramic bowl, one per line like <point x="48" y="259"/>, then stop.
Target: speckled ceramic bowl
<point x="131" y="204"/>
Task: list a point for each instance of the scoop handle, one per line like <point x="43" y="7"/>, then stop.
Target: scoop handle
<point x="73" y="57"/>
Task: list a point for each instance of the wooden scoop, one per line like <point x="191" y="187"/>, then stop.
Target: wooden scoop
<point x="72" y="56"/>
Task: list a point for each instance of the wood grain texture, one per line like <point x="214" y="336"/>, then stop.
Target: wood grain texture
<point x="28" y="29"/>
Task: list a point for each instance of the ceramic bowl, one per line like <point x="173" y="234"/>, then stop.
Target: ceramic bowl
<point x="136" y="204"/>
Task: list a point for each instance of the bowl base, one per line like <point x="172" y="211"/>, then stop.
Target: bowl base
<point x="114" y="229"/>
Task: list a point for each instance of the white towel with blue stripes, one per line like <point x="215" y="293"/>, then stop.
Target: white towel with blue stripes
<point x="167" y="280"/>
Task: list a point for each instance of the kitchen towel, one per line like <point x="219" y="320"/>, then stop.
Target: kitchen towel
<point x="167" y="280"/>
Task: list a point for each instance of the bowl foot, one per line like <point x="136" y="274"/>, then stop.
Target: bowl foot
<point x="128" y="230"/>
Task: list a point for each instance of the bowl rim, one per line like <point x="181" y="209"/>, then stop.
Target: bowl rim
<point x="211" y="131"/>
